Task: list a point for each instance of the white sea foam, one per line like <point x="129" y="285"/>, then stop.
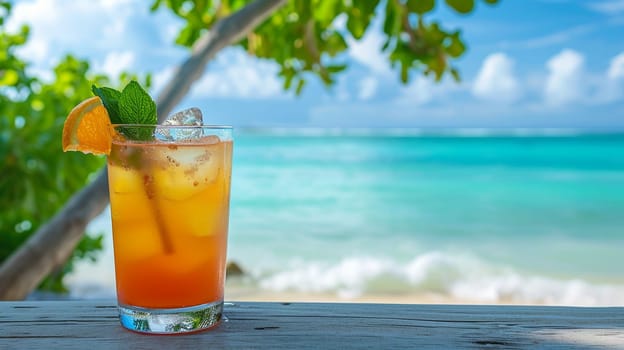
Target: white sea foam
<point x="457" y="277"/>
<point x="460" y="277"/>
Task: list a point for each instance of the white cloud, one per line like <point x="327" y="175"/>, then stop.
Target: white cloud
<point x="367" y="51"/>
<point x="87" y="29"/>
<point x="616" y="68"/>
<point x="569" y="83"/>
<point x="423" y="90"/>
<point x="611" y="7"/>
<point x="496" y="80"/>
<point x="564" y="83"/>
<point x="611" y="87"/>
<point x="537" y="97"/>
<point x="368" y="88"/>
<point x="26" y="13"/>
<point x="37" y="50"/>
<point x="117" y="62"/>
<point x="237" y="75"/>
<point x="69" y="22"/>
<point x="114" y="4"/>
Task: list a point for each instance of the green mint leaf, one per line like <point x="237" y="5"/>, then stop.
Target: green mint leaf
<point x="136" y="105"/>
<point x="133" y="105"/>
<point x="110" y="99"/>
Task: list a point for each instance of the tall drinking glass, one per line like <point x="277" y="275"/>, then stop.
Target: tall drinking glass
<point x="169" y="200"/>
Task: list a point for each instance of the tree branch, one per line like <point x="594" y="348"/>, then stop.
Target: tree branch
<point x="52" y="244"/>
<point x="226" y="32"/>
<point x="414" y="37"/>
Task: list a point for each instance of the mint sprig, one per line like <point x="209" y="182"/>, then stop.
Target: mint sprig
<point x="132" y="105"/>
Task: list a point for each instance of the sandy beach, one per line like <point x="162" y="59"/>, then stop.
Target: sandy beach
<point x="234" y="291"/>
<point x="242" y="294"/>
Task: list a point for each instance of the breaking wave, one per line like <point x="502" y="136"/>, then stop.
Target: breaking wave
<point x="461" y="278"/>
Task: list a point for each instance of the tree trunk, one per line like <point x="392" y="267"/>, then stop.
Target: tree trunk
<point x="52" y="244"/>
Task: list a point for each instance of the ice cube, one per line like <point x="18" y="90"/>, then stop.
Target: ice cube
<point x="124" y="180"/>
<point x="186" y="170"/>
<point x="188" y="117"/>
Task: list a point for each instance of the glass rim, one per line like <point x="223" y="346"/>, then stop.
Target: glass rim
<point x="206" y="126"/>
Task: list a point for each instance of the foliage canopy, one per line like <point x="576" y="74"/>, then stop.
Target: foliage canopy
<point x="307" y="37"/>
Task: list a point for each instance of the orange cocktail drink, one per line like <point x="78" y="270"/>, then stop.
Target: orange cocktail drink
<point x="169" y="207"/>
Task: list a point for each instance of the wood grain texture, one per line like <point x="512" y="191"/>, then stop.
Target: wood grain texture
<point x="94" y="325"/>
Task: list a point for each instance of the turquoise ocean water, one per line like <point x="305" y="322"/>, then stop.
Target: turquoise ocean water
<point x="530" y="217"/>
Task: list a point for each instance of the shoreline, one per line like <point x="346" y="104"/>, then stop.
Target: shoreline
<point x="237" y="293"/>
<point x="294" y="297"/>
<point x="244" y="294"/>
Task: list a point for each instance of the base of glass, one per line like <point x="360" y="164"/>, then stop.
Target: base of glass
<point x="171" y="321"/>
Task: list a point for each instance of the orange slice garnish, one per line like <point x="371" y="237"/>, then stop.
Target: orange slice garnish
<point x="88" y="128"/>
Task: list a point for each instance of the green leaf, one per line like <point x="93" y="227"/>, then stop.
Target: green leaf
<point x="303" y="9"/>
<point x="404" y="73"/>
<point x="335" y="44"/>
<point x="456" y="47"/>
<point x="8" y="77"/>
<point x="110" y="99"/>
<point x="392" y="21"/>
<point x="155" y="5"/>
<point x="420" y="6"/>
<point x="336" y="68"/>
<point x="461" y="6"/>
<point x="491" y="2"/>
<point x="434" y="35"/>
<point x="300" y="85"/>
<point x="288" y="77"/>
<point x="455" y="74"/>
<point x="327" y="10"/>
<point x="187" y="36"/>
<point x="359" y="17"/>
<point x="356" y="26"/>
<point x="136" y="105"/>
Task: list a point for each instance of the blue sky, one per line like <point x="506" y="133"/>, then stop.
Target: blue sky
<point x="530" y="63"/>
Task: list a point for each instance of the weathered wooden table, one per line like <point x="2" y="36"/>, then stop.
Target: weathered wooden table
<point x="94" y="325"/>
